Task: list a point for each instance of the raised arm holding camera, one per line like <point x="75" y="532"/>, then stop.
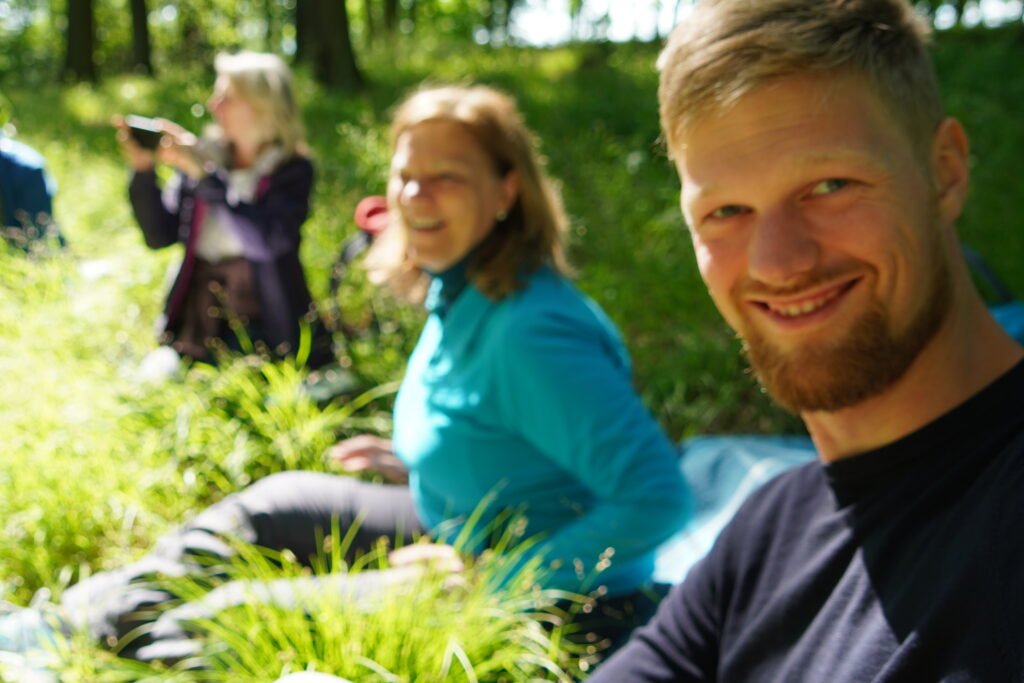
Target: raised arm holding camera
<point x="237" y="202"/>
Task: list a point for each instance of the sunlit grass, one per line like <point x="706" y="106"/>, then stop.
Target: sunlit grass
<point x="417" y="623"/>
<point x="95" y="464"/>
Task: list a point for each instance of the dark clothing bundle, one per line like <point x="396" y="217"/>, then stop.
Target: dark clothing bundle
<point x="268" y="228"/>
<point x="902" y="564"/>
<point x="26" y="196"/>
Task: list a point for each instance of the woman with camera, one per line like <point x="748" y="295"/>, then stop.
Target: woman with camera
<point x="237" y="202"/>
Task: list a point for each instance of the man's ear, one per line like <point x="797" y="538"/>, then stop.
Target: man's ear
<point x="509" y="190"/>
<point x="950" y="168"/>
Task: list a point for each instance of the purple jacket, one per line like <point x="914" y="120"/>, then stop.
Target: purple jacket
<point x="270" y="232"/>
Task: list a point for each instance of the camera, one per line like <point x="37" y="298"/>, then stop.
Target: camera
<point x="144" y="131"/>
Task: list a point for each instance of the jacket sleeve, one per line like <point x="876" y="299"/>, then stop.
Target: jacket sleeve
<point x="156" y="212"/>
<point x="270" y="225"/>
<point x="568" y="387"/>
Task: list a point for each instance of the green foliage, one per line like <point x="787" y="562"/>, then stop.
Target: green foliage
<point x="96" y="464"/>
<point x="982" y="89"/>
<point x="72" y="484"/>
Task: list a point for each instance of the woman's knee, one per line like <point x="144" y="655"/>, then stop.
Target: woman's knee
<point x="247" y="515"/>
<point x="292" y="489"/>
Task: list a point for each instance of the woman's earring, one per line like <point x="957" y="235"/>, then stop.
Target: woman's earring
<point x="501" y="215"/>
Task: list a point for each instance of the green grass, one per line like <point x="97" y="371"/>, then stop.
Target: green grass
<point x="426" y="627"/>
<point x="94" y="465"/>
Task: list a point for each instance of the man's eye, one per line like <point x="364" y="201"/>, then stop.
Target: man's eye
<point x="829" y="186"/>
<point x="727" y="211"/>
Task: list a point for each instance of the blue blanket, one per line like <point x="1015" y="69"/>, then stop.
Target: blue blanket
<point x="1011" y="316"/>
<point x="722" y="471"/>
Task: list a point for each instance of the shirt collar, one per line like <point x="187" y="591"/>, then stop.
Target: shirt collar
<point x="446" y="286"/>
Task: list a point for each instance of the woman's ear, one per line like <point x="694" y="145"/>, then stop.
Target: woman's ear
<point x="509" y="190"/>
<point x="950" y="168"/>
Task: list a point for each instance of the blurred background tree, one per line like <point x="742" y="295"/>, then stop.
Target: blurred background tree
<point x="84" y="39"/>
<point x="80" y="58"/>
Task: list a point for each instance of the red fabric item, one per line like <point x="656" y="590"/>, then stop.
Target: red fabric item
<point x="371" y="214"/>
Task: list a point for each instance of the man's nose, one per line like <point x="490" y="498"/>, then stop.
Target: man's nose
<point x="782" y="247"/>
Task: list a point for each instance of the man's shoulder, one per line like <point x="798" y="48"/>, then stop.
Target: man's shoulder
<point x="1006" y="473"/>
<point x="774" y="514"/>
<point x="795" y="487"/>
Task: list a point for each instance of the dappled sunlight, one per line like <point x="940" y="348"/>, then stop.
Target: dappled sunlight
<point x="97" y="462"/>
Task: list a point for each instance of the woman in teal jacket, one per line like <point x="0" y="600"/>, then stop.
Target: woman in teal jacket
<point x="520" y="387"/>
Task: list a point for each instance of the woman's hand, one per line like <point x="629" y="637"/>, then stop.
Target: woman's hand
<point x="367" y="453"/>
<point x="440" y="556"/>
<point x="178" y="148"/>
<point x="139" y="158"/>
<point x="437" y="558"/>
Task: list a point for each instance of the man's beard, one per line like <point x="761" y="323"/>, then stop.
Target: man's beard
<point x="866" y="361"/>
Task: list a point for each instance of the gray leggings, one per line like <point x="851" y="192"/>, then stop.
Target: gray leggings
<point x="290" y="511"/>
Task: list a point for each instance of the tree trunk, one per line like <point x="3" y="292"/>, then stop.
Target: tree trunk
<point x="371" y="20"/>
<point x="80" y="62"/>
<point x="390" y="17"/>
<point x="305" y="28"/>
<point x="960" y="5"/>
<point x="413" y="6"/>
<point x="490" y="17"/>
<point x="141" y="51"/>
<point x="332" y="54"/>
<point x="193" y="44"/>
<point x="506" y="19"/>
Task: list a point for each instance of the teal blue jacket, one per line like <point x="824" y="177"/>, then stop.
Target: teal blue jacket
<point x="530" y="400"/>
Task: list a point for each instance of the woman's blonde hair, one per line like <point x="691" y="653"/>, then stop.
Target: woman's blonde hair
<point x="263" y="80"/>
<point x="530" y="236"/>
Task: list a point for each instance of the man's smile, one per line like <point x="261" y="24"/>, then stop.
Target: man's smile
<point x="805" y="306"/>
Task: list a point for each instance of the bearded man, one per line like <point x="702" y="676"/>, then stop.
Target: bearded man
<point x="821" y="181"/>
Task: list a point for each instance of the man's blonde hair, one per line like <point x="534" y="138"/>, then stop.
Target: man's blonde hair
<point x="531" y="235"/>
<point x="726" y="48"/>
<point x="263" y="80"/>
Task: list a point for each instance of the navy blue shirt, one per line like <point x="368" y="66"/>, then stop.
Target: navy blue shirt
<point x="902" y="564"/>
